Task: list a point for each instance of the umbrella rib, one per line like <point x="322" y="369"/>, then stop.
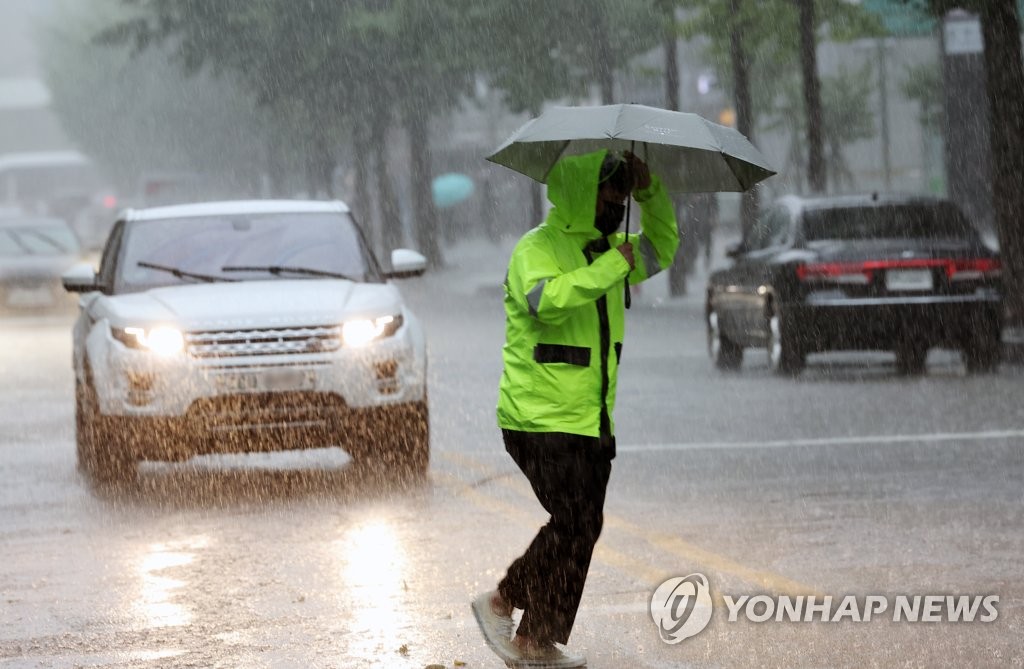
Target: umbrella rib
<point x="727" y="158"/>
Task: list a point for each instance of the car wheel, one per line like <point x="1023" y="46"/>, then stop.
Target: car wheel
<point x="724" y="353"/>
<point x="911" y="358"/>
<point x="982" y="348"/>
<point x="785" y="357"/>
<point x="99" y="441"/>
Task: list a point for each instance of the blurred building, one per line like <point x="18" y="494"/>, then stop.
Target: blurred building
<point x="26" y="122"/>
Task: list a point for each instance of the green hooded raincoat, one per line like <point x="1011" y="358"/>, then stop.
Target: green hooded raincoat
<point x="564" y="305"/>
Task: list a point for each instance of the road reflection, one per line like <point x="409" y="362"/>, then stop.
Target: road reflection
<point x="157" y="600"/>
<point x="212" y="485"/>
<point x="373" y="568"/>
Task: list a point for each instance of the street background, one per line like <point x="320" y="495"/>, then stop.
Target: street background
<point x="850" y="479"/>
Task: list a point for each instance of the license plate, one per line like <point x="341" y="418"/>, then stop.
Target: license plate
<point x="286" y="379"/>
<point x="908" y="279"/>
<point x="273" y="380"/>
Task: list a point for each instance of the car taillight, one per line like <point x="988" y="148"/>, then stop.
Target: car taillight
<point x="835" y="272"/>
<point x="975" y="269"/>
<point x="862" y="272"/>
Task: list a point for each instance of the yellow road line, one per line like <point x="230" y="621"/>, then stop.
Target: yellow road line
<point x="688" y="552"/>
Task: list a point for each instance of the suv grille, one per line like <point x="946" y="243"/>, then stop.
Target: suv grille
<point x="278" y="341"/>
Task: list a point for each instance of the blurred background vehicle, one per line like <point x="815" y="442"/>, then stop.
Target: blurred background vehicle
<point x="34" y="252"/>
<point x="62" y="184"/>
<point x="872" y="272"/>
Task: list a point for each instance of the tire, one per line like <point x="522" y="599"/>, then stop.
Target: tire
<point x="100" y="441"/>
<point x="911" y="358"/>
<point x="785" y="356"/>
<point x="725" y="354"/>
<point x="982" y="349"/>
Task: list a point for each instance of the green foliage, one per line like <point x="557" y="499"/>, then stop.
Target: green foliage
<point x="762" y="26"/>
<point x="923" y="84"/>
<point x="559" y="48"/>
<point x="847" y="117"/>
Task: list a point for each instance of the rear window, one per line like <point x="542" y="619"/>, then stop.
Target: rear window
<point x="906" y="221"/>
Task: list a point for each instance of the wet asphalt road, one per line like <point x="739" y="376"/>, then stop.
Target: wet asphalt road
<point x="848" y="480"/>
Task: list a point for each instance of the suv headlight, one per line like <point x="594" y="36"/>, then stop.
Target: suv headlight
<point x="362" y="331"/>
<point x="161" y="340"/>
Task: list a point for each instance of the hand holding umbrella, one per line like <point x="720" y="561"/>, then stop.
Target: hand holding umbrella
<point x="689" y="153"/>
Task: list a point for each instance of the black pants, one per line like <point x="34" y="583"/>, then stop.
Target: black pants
<point x="569" y="474"/>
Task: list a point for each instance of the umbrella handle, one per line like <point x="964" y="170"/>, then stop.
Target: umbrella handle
<point x="627" y="296"/>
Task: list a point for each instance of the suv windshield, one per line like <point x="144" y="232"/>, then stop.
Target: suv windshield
<point x="204" y="245"/>
<point x="898" y="221"/>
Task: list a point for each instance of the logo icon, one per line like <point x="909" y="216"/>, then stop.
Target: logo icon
<point x="681" y="607"/>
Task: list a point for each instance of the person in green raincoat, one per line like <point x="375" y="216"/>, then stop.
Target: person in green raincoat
<point x="565" y="324"/>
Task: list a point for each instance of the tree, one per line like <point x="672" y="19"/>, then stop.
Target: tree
<point x="552" y="64"/>
<point x="1004" y="68"/>
<point x="846" y="118"/>
<point x="142" y="115"/>
<point x="750" y="56"/>
<point x="817" y="177"/>
<point x="329" y="66"/>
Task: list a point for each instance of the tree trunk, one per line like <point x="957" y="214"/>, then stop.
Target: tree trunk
<point x="744" y="105"/>
<point x="362" y="207"/>
<point x="274" y="165"/>
<point x="812" y="98"/>
<point x="1000" y="26"/>
<point x="390" y="216"/>
<point x="671" y="57"/>
<point x="425" y="228"/>
<point x="677" y="271"/>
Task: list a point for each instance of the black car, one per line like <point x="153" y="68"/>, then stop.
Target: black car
<point x="872" y="272"/>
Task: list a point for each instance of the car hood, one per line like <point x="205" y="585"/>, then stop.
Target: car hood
<point x="252" y="304"/>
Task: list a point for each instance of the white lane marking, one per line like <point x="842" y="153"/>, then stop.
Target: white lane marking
<point x="933" y="438"/>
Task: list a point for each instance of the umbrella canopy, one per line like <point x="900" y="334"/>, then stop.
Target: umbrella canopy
<point x="450" y="189"/>
<point x="689" y="153"/>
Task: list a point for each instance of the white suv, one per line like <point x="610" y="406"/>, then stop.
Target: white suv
<point x="241" y="327"/>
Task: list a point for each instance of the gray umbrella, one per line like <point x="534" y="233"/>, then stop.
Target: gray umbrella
<point x="689" y="153"/>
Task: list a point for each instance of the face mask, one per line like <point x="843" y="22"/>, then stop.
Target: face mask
<point x="610" y="220"/>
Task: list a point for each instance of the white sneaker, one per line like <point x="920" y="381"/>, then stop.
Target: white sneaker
<point x="546" y="657"/>
<point x="496" y="628"/>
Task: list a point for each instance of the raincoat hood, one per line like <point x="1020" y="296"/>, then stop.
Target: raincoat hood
<point x="572" y="189"/>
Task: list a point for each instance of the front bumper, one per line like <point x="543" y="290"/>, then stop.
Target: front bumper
<point x="256" y="423"/>
<point x="140" y="384"/>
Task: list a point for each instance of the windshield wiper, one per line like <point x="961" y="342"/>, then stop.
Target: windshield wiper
<point x="278" y="269"/>
<point x="182" y="274"/>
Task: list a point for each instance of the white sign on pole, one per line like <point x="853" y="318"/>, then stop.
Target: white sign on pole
<point x="963" y="35"/>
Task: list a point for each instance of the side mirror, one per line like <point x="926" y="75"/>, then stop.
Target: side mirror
<point x="406" y="263"/>
<point x="734" y="249"/>
<point x="80" y="278"/>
